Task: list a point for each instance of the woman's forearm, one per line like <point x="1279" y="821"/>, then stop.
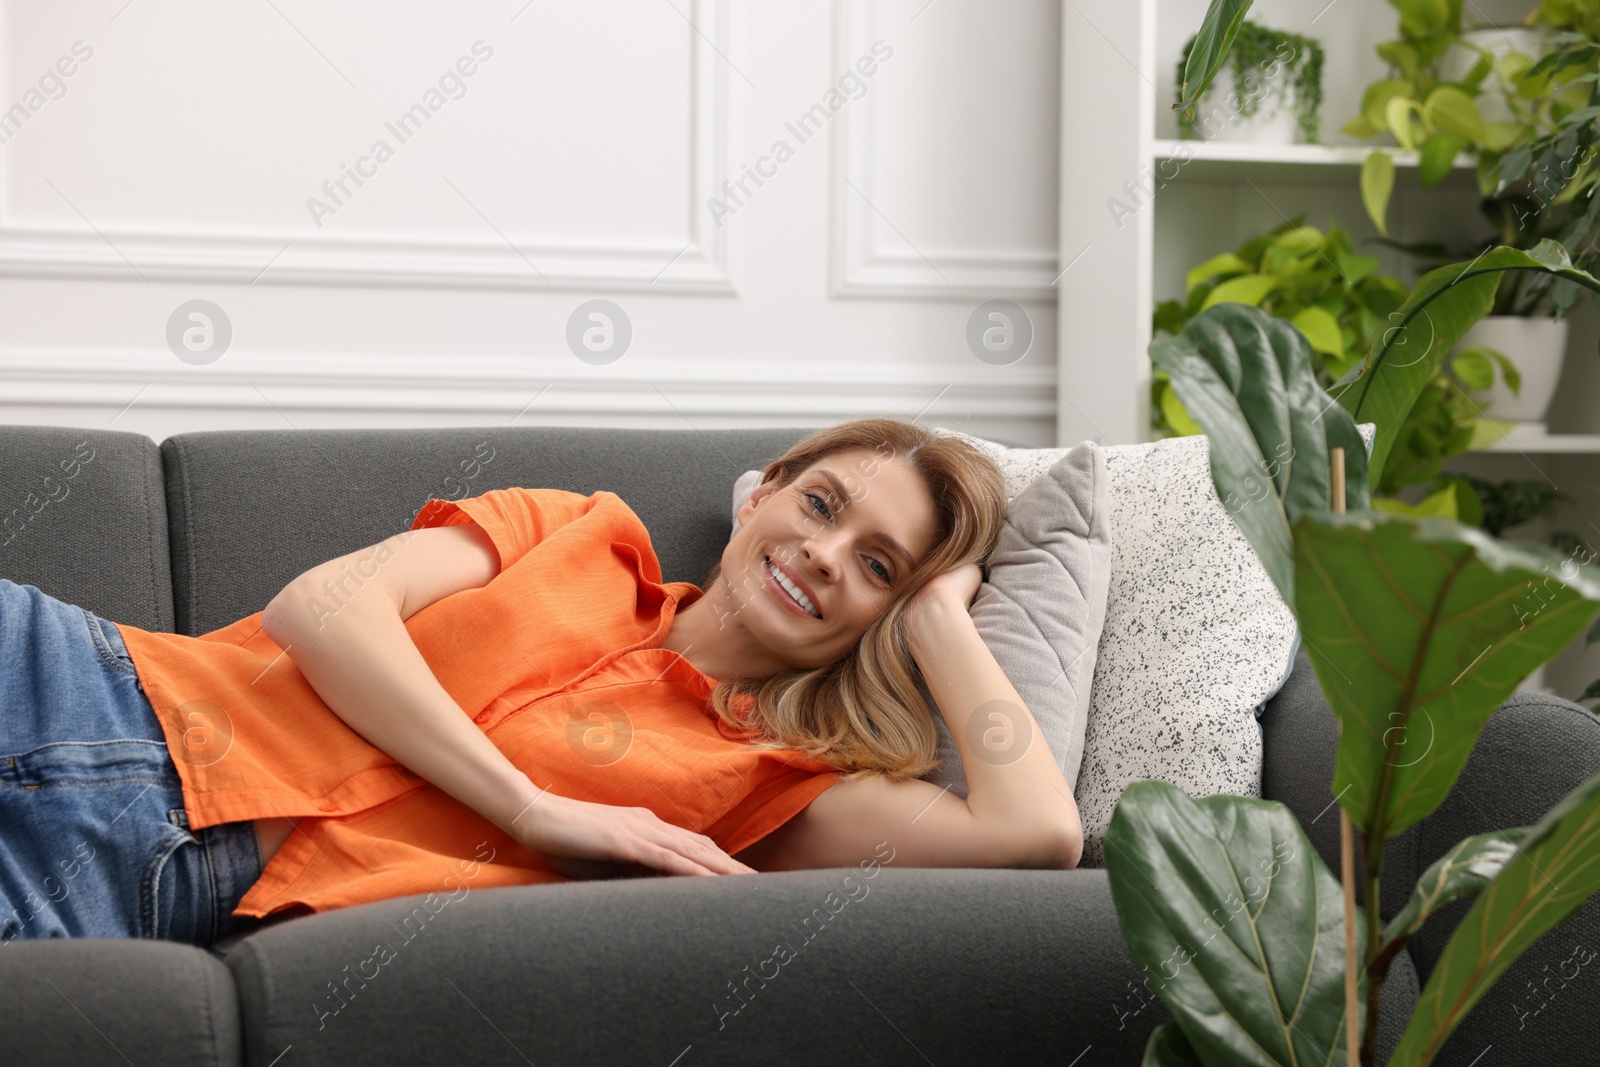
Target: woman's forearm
<point x="364" y="665"/>
<point x="990" y="724"/>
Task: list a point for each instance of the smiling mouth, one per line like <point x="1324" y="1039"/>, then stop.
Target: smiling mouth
<point x="788" y="589"/>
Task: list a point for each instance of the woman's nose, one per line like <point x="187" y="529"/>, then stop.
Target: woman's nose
<point x="825" y="553"/>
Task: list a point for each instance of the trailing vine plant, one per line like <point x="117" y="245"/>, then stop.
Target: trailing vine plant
<point x="1258" y="52"/>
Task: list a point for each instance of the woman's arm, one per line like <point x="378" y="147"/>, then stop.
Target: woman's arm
<point x="362" y="662"/>
<point x="1013" y="780"/>
<point x="1019" y="811"/>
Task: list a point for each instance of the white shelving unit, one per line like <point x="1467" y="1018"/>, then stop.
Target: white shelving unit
<point x="1546" y="444"/>
<point x="1139" y="207"/>
<point x="1311" y="163"/>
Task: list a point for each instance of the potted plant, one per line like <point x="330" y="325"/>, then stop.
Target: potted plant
<point x="1354" y="582"/>
<point x="1525" y="107"/>
<point x="1271" y="92"/>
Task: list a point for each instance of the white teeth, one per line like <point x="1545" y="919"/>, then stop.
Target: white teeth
<point x="792" y="589"/>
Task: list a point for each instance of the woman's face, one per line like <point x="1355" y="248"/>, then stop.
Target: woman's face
<point x="841" y="533"/>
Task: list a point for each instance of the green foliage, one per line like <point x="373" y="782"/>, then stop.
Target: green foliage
<point x="1406" y="356"/>
<point x="1169" y="1048"/>
<point x="1295" y="272"/>
<point x="1260" y="57"/>
<point x="1340" y="302"/>
<point x="1514" y="501"/>
<point x="1551" y="874"/>
<point x="1419" y="629"/>
<point x="1462" y="872"/>
<point x="1249" y="957"/>
<point x="1591" y="693"/>
<point x="1580" y="16"/>
<point x="1248" y="378"/>
<point x="1206" y="52"/>
<point x="1536" y="172"/>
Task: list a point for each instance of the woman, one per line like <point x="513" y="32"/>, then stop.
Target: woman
<point x="508" y="694"/>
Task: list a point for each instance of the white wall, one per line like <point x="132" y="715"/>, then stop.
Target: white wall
<point x="575" y="162"/>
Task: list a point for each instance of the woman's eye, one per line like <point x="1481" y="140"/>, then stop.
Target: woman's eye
<point x="880" y="568"/>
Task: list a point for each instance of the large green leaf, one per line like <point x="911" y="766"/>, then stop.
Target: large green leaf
<point x="1556" y="868"/>
<point x="1168" y="1047"/>
<point x="1211" y="46"/>
<point x="1232" y="913"/>
<point x="1405" y="355"/>
<point x="1245" y="289"/>
<point x="1246" y="378"/>
<point x="1419" y="629"/>
<point x="1461" y="872"/>
<point x="1377" y="182"/>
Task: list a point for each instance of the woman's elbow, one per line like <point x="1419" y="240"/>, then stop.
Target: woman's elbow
<point x="1071" y="848"/>
<point x="1058" y="851"/>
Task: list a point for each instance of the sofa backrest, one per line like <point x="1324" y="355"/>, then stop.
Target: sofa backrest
<point x="206" y="528"/>
<point x="83" y="516"/>
<point x="251" y="509"/>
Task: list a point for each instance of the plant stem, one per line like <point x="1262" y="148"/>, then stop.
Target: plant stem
<point x="1369" y="1040"/>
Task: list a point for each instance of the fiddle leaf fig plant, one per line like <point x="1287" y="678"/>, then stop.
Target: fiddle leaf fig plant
<point x="1250" y="957"/>
<point x="1247" y="378"/>
<point x="1418" y="629"/>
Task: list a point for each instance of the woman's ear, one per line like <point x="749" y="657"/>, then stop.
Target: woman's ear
<point x="758" y="494"/>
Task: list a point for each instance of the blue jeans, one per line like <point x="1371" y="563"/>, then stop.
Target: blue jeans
<point x="94" y="837"/>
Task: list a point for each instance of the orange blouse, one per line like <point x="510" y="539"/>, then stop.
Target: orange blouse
<point x="557" y="659"/>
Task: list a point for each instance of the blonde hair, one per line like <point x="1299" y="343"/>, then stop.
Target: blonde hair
<point x="865" y="714"/>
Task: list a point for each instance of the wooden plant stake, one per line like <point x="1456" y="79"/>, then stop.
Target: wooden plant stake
<point x="1347" y="858"/>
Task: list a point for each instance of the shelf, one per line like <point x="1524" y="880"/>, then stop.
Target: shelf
<point x="1536" y="441"/>
<point x="1288" y="164"/>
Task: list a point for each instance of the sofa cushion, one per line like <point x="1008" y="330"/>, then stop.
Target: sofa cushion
<point x="730" y="970"/>
<point x="93" y="1001"/>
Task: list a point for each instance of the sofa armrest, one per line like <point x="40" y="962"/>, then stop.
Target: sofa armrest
<point x="1533" y="751"/>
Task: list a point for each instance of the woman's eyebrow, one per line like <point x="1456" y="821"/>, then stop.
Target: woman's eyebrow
<point x="882" y="538"/>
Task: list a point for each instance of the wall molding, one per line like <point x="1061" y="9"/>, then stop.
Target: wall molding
<point x="290" y="257"/>
<point x="111" y="379"/>
<point x="859" y="265"/>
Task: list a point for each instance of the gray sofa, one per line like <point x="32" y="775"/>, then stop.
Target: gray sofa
<point x="941" y="966"/>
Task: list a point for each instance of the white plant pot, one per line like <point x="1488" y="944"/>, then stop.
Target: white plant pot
<point x="1536" y="346"/>
<point x="1500" y="42"/>
<point x="1218" y="115"/>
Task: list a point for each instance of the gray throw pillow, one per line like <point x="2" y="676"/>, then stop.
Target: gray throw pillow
<point x="1042" y="609"/>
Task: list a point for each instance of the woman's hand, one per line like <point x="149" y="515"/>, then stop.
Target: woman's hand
<point x="955" y="587"/>
<point x="585" y="840"/>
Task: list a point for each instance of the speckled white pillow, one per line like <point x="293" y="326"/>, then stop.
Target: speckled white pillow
<point x="1195" y="637"/>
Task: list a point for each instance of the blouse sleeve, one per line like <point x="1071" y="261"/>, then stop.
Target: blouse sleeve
<point x="515" y="519"/>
